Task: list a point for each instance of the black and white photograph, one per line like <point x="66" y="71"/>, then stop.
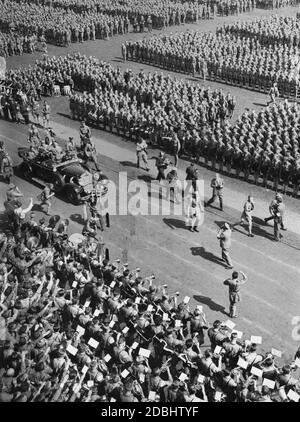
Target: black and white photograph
<point x="149" y="204"/>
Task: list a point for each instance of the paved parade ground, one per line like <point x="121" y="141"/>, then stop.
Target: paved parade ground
<point x="188" y="262"/>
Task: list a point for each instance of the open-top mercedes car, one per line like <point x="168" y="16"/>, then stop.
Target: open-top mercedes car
<point x="71" y="177"/>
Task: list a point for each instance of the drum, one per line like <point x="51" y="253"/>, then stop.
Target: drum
<point x="76" y="239"/>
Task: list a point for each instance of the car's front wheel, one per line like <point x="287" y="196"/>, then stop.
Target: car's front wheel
<point x="58" y="182"/>
<point x="73" y="196"/>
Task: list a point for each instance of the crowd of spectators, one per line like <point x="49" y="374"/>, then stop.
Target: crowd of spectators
<point x="78" y="327"/>
<point x="224" y="57"/>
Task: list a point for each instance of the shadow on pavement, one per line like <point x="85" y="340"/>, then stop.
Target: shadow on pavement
<point x="201" y="251"/>
<point x="145" y="177"/>
<point x="174" y="223"/>
<point x="259" y="104"/>
<point x="128" y="164"/>
<point x="64" y="115"/>
<point x="221" y="223"/>
<point x="205" y="300"/>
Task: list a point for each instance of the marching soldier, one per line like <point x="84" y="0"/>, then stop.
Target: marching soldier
<point x="278" y="224"/>
<point x="194" y="211"/>
<point x="162" y="164"/>
<point x="217" y="185"/>
<point x="247" y="215"/>
<point x="277" y="211"/>
<point x="141" y="153"/>
<point x="224" y="235"/>
<point x="234" y="283"/>
<point x="190" y="172"/>
<point x="172" y="178"/>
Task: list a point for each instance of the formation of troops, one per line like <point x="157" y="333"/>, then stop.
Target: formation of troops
<point x="11" y="45"/>
<point x="223" y="57"/>
<point x="262" y="145"/>
<point x="62" y="22"/>
<point x="58" y="26"/>
<point x="275" y="4"/>
<point x="174" y="115"/>
<point x="154" y="13"/>
<point x="268" y="31"/>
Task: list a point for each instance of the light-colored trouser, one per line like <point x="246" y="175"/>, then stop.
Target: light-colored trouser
<point x="226" y="257"/>
<point x="142" y="156"/>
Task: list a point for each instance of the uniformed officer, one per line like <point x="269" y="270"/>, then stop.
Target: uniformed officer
<point x="45" y="197"/>
<point x="273" y="93"/>
<point x="46" y="114"/>
<point x="275" y="207"/>
<point x="90" y="153"/>
<point x="71" y="150"/>
<point x="234" y="283"/>
<point x="194" y="210"/>
<point x="141" y="153"/>
<point x="124" y="52"/>
<point x="217" y="185"/>
<point x="172" y="187"/>
<point x="162" y="164"/>
<point x="247" y="215"/>
<point x="85" y="134"/>
<point x="6" y="167"/>
<point x="175" y="147"/>
<point x="190" y="172"/>
<point x="224" y="235"/>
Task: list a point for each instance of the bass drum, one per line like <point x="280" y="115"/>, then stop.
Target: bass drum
<point x="76" y="239"/>
<point x="72" y="195"/>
